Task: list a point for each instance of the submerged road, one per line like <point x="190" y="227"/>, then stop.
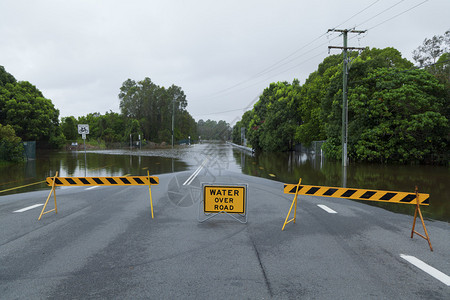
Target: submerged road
<point x="103" y="244"/>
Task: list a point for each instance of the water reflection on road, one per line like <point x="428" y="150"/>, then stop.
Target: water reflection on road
<point x="284" y="167"/>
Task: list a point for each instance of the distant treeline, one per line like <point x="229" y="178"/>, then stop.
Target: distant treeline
<point x="397" y="112"/>
<point x="147" y="111"/>
<point x="212" y="130"/>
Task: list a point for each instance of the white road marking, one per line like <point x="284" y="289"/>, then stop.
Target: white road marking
<point x="192" y="177"/>
<point x="92" y="187"/>
<point x="427" y="268"/>
<point x="28" y="208"/>
<point x="327" y="209"/>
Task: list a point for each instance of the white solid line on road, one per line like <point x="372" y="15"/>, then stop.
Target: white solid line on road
<point x="192" y="177"/>
<point x="327" y="209"/>
<point x="92" y="187"/>
<point x="427" y="268"/>
<point x="28" y="208"/>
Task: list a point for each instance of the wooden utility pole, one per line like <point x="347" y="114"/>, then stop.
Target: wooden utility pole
<point x="344" y="89"/>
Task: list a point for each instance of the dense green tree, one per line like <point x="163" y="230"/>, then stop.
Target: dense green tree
<point x="153" y="106"/>
<point x="394" y="116"/>
<point x="281" y="117"/>
<point x="396" y="113"/>
<point x="11" y="147"/>
<point x="187" y="125"/>
<point x="69" y="128"/>
<point x="236" y="133"/>
<point x="314" y="95"/>
<point x="243" y="123"/>
<point x="272" y="123"/>
<point x="5" y="77"/>
<point x="32" y="116"/>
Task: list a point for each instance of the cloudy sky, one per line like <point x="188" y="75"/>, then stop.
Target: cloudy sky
<point x="221" y="53"/>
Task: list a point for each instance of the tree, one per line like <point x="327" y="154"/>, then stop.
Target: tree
<point x="153" y="106"/>
<point x="69" y="128"/>
<point x="278" y="125"/>
<point x="32" y="116"/>
<point x="331" y="116"/>
<point x="431" y="49"/>
<point x="5" y="77"/>
<point x="11" y="147"/>
<point x="271" y="124"/>
<point x="213" y="130"/>
<point x="397" y="117"/>
<point x="187" y="125"/>
<point x="396" y="114"/>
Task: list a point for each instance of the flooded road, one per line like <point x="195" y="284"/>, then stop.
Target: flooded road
<point x="283" y="167"/>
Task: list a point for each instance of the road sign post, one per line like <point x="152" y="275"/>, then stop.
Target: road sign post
<point x="83" y="129"/>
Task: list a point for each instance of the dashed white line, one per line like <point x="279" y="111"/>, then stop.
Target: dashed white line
<point x="427" y="268"/>
<point x="92" y="187"/>
<point x="327" y="209"/>
<point x="28" y="208"/>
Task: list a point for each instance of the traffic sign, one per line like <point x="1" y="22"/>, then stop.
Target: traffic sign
<point x="83" y="128"/>
<point x="224" y="199"/>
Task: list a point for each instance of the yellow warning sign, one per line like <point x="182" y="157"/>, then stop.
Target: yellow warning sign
<point x="221" y="198"/>
<point x="357" y="194"/>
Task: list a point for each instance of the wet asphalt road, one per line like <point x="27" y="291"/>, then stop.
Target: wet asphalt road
<point x="103" y="244"/>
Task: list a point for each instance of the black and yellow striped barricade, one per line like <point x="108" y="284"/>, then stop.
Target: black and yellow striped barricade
<point x="98" y="181"/>
<point x="415" y="198"/>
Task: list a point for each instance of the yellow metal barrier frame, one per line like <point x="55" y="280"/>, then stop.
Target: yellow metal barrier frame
<point x="295" y="209"/>
<point x="417" y="211"/>
<point x="53" y="183"/>
<point x="43" y="212"/>
<point x="426" y="237"/>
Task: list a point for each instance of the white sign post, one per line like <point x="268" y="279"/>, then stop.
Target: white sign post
<point x="83" y="129"/>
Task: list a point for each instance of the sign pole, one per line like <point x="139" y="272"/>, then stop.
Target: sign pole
<point x="83" y="129"/>
<point x="85" y="160"/>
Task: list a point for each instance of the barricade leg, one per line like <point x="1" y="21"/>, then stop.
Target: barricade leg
<point x="150" y="192"/>
<point x="418" y="211"/>
<point x="294" y="202"/>
<point x="43" y="212"/>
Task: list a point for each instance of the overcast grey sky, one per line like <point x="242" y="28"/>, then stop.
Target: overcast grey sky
<point x="221" y="53"/>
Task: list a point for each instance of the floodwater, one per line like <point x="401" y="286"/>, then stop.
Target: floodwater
<point x="284" y="167"/>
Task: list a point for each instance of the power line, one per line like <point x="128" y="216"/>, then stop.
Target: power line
<point x="284" y="61"/>
<point x="272" y="75"/>
<point x="356" y="14"/>
<point x="398" y="15"/>
<point x="274" y="66"/>
<point x="293" y="57"/>
<point x="390" y="7"/>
